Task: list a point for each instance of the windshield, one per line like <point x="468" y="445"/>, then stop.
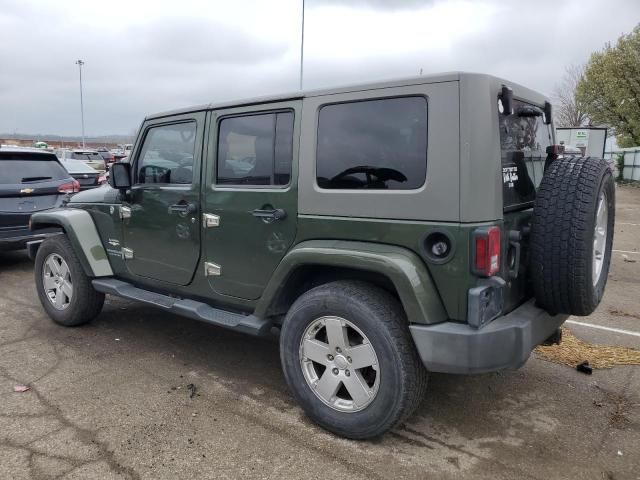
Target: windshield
<point x="523" y="143"/>
<point x="27" y="171"/>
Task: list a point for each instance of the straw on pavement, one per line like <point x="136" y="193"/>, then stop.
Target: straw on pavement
<point x="573" y="351"/>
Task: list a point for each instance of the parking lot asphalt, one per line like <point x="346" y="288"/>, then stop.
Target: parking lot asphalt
<point x="139" y="393"/>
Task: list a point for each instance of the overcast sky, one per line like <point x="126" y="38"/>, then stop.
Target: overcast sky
<point x="144" y="56"/>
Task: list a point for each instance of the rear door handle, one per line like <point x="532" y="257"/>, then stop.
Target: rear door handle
<point x="270" y="214"/>
<point x="183" y="208"/>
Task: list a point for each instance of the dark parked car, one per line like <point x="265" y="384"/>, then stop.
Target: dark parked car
<point x="107" y="156"/>
<point x="84" y="174"/>
<point x="30" y="181"/>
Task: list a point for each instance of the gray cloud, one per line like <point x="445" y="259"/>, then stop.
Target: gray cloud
<point x="379" y="4"/>
<point x="195" y="40"/>
<point x="138" y="64"/>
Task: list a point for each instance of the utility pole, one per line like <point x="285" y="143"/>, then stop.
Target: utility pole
<point x="302" y="46"/>
<point x="80" y="63"/>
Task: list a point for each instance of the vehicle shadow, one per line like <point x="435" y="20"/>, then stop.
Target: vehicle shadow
<point x="15" y="260"/>
<point x="480" y="407"/>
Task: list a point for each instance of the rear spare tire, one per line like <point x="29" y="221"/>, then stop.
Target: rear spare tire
<point x="572" y="234"/>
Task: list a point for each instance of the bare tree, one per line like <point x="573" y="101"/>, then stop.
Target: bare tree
<point x="569" y="112"/>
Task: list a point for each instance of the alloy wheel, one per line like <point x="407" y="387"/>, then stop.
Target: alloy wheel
<point x="339" y="364"/>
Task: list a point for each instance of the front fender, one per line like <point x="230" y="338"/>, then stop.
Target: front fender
<point x="404" y="268"/>
<point x="81" y="231"/>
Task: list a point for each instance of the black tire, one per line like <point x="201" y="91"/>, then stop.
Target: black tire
<point x="403" y="378"/>
<point x="85" y="303"/>
<point x="562" y="235"/>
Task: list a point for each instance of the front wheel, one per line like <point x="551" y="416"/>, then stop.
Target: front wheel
<point x="349" y="359"/>
<point x="64" y="289"/>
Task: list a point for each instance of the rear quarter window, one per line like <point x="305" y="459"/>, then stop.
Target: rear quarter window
<point x="376" y="144"/>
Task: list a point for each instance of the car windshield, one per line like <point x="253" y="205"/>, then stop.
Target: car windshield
<point x="25" y="170"/>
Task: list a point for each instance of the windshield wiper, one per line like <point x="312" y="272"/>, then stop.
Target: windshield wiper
<point x="34" y="179"/>
<point x="529" y="111"/>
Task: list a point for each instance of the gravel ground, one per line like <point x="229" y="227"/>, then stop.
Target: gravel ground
<point x="112" y="400"/>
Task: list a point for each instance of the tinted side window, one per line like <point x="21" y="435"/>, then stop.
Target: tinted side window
<point x="255" y="149"/>
<point x="373" y="144"/>
<point x="167" y="154"/>
<point x="523" y="144"/>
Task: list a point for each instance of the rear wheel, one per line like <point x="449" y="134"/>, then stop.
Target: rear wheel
<point x="349" y="359"/>
<point x="572" y="235"/>
<point x="64" y="289"/>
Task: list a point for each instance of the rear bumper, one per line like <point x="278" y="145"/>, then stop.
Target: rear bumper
<point x="506" y="342"/>
<point x="17" y="239"/>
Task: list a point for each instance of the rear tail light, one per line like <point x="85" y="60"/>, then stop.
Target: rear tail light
<point x="102" y="179"/>
<point x="486" y="251"/>
<point x="71" y="187"/>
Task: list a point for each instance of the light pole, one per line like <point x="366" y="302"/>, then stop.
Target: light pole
<point x="302" y="46"/>
<point x="80" y="63"/>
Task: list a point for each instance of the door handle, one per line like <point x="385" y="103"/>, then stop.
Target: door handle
<point x="270" y="213"/>
<point x="183" y="208"/>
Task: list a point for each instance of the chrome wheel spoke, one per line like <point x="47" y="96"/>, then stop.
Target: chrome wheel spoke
<point x="67" y="289"/>
<point x="53" y="265"/>
<point x="64" y="270"/>
<point x="327" y="386"/>
<point x="49" y="283"/>
<point x="316" y="350"/>
<point x="357" y="388"/>
<point x="361" y="356"/>
<point x="336" y="333"/>
<point x="59" y="298"/>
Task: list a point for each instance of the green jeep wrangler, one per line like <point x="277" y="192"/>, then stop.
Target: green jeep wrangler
<point x="383" y="231"/>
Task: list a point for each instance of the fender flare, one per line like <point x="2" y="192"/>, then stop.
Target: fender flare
<point x="404" y="268"/>
<point x="79" y="227"/>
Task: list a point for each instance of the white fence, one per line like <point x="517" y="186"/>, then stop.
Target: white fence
<point x="631" y="162"/>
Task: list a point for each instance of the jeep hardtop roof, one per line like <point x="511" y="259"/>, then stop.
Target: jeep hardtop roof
<point x="519" y="91"/>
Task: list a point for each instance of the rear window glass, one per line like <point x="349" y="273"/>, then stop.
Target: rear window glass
<point x="86" y="156"/>
<point x="373" y="144"/>
<point x="523" y="144"/>
<point x="26" y="171"/>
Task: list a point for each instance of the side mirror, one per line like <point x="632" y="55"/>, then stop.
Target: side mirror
<point x="506" y="97"/>
<point x="120" y="176"/>
<point x="547" y="113"/>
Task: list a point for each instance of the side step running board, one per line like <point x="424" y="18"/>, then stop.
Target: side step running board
<point x="185" y="307"/>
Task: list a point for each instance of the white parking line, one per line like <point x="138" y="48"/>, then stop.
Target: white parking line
<point x="626" y="251"/>
<point x="633" y="224"/>
<point x="608" y="329"/>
